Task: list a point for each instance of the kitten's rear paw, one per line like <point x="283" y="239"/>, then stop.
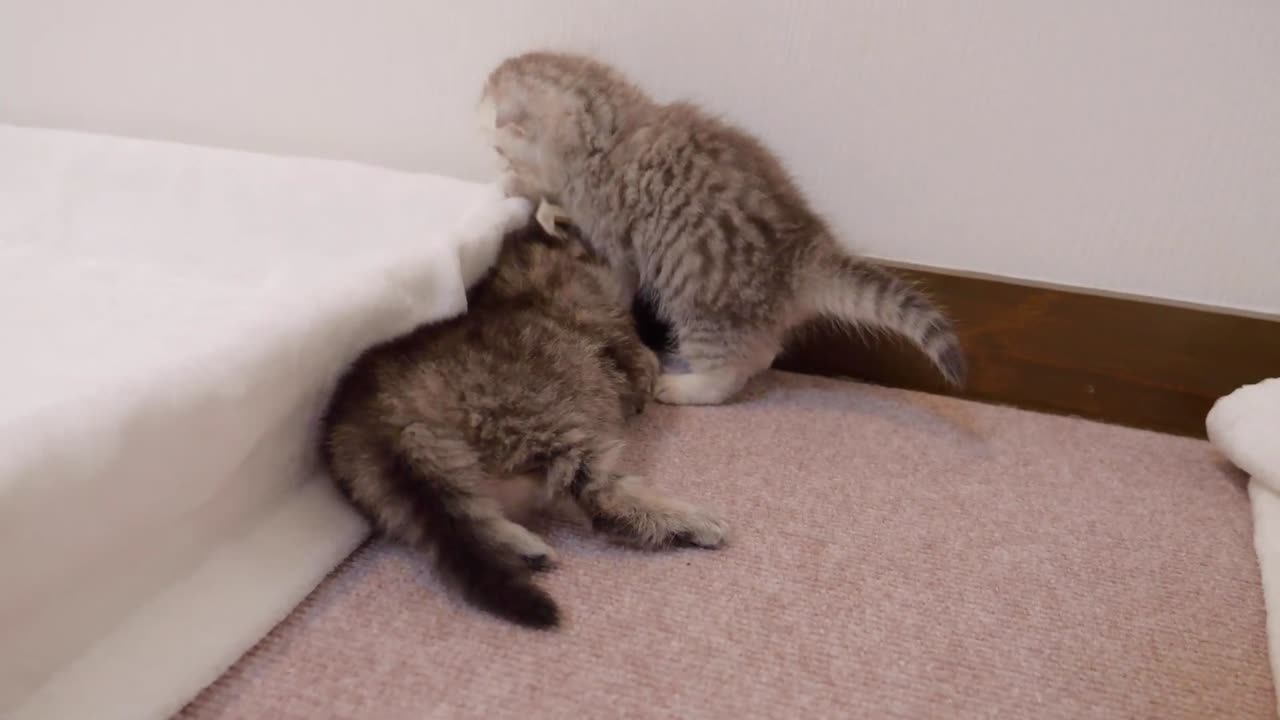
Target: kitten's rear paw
<point x="701" y="529"/>
<point x="634" y="513"/>
<point x="532" y="550"/>
<point x="541" y="562"/>
<point x="681" y="524"/>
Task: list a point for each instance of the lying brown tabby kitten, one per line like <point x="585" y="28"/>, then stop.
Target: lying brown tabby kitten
<point x="435" y="434"/>
<point x="696" y="214"/>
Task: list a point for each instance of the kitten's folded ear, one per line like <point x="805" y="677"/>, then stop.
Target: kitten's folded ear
<point x="500" y="111"/>
<point x="510" y="116"/>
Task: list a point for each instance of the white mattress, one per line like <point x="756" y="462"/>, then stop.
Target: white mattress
<point x="173" y="318"/>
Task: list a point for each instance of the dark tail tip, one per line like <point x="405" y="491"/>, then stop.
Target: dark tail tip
<point x="953" y="365"/>
<point x="520" y="602"/>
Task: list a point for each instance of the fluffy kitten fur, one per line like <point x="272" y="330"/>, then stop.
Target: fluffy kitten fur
<point x="696" y="214"/>
<point x="435" y="434"/>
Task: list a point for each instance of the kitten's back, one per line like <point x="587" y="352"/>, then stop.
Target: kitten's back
<point x="730" y="210"/>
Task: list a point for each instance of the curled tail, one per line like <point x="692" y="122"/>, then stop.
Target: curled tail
<point x="423" y="503"/>
<point x="867" y="295"/>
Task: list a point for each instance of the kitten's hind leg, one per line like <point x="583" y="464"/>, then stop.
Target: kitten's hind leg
<point x="430" y="494"/>
<point x="628" y="509"/>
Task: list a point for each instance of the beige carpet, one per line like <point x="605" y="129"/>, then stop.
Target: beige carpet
<point x="895" y="555"/>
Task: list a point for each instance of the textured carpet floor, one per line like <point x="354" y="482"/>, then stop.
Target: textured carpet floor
<point x="894" y="555"/>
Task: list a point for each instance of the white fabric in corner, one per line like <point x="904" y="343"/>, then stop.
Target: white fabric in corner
<point x="174" y="319"/>
<point x="1245" y="426"/>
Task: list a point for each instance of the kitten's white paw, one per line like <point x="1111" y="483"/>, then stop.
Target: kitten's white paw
<point x="535" y="551"/>
<point x="692" y="389"/>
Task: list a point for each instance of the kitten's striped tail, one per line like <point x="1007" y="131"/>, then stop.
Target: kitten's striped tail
<point x="460" y="525"/>
<point x="867" y="295"/>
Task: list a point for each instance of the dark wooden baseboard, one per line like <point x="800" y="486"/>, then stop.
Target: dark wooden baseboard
<point x="1120" y="360"/>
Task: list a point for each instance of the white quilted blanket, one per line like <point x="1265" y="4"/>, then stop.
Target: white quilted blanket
<point x="172" y="319"/>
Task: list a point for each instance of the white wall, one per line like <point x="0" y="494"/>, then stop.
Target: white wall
<point x="1129" y="145"/>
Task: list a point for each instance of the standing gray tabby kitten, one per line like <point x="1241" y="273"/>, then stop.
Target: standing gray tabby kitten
<point x="444" y="435"/>
<point x="697" y="215"/>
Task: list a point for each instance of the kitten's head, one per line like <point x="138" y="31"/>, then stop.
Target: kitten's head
<point x="533" y="262"/>
<point x="547" y="113"/>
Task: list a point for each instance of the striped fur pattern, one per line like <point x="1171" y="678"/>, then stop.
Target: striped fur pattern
<point x="450" y="436"/>
<point x="698" y="216"/>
